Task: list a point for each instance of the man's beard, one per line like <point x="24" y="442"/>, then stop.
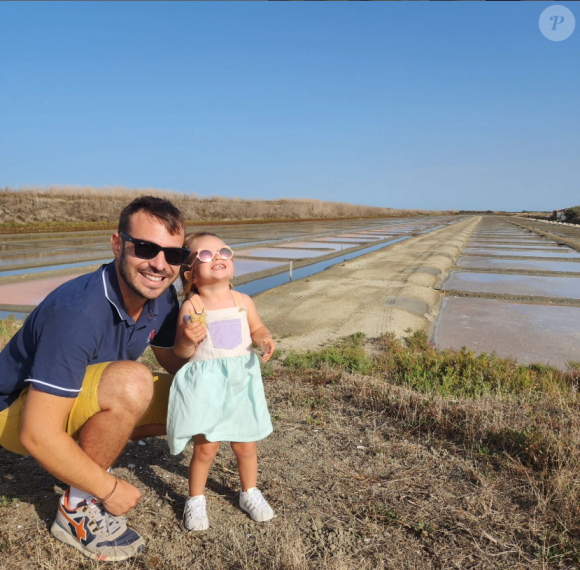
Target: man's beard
<point x="129" y="275"/>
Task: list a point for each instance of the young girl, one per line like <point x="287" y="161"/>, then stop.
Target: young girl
<point x="218" y="395"/>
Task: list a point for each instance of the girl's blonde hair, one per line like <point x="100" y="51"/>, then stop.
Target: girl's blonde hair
<point x="189" y="287"/>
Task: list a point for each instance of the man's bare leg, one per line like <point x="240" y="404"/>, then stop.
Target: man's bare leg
<point x="149" y="430"/>
<point x="124" y="393"/>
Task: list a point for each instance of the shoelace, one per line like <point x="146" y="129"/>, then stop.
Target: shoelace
<point x="256" y="500"/>
<point x="198" y="509"/>
<point x="105" y="520"/>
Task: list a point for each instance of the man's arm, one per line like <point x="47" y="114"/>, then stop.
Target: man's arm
<point x="44" y="437"/>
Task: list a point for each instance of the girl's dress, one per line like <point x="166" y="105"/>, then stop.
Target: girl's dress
<point x="219" y="392"/>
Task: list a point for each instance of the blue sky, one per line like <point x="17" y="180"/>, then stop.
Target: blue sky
<point x="434" y="105"/>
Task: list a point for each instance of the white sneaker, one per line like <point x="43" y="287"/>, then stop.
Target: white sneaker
<point x="195" y="514"/>
<point x="255" y="505"/>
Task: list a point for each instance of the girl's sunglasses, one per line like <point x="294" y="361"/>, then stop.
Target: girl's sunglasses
<point x="205" y="255"/>
<point x="149" y="250"/>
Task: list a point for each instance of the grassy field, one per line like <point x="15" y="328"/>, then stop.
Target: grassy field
<point x="385" y="454"/>
<point x="88" y="208"/>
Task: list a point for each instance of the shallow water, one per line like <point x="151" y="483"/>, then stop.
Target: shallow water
<point x="53" y="267"/>
<point x="340" y="239"/>
<point x="37" y="257"/>
<point x="365" y="236"/>
<point x="31" y="292"/>
<point x="533" y="265"/>
<point x="562" y="252"/>
<point x="326" y="246"/>
<point x="30" y="250"/>
<point x="245" y="266"/>
<point x="503" y="229"/>
<point x="544" y="334"/>
<point x="525" y="331"/>
<point x="392" y="230"/>
<point x="7" y="248"/>
<point x="279" y="253"/>
<point x="522" y="240"/>
<point x="18" y="316"/>
<point x="537" y="246"/>
<point x="260" y="285"/>
<point x="514" y="235"/>
<point x="541" y="286"/>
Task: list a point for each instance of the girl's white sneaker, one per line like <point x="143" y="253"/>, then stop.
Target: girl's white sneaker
<point x="195" y="514"/>
<point x="255" y="505"/>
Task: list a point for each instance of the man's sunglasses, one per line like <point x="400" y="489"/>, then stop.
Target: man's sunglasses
<point x="205" y="255"/>
<point x="149" y="250"/>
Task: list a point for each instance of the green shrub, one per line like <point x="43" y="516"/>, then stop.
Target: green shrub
<point x="347" y="355"/>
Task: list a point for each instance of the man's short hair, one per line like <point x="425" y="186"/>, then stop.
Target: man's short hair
<point x="160" y="208"/>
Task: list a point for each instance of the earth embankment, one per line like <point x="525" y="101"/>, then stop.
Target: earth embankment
<point x="391" y="290"/>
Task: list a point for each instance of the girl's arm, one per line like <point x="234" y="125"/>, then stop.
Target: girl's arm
<point x="260" y="334"/>
<point x="189" y="334"/>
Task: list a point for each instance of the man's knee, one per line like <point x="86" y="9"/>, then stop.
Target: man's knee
<point x="125" y="386"/>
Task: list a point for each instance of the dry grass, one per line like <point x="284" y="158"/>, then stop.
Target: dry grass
<point x="365" y="470"/>
<point x="8" y="328"/>
<point x="522" y="422"/>
<point x="60" y="208"/>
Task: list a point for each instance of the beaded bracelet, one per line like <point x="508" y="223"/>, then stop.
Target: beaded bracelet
<point x="111" y="493"/>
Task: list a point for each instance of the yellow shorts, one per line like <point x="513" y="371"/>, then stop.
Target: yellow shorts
<point x="86" y="405"/>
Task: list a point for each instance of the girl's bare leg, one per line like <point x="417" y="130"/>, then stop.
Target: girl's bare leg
<point x="203" y="454"/>
<point x="247" y="457"/>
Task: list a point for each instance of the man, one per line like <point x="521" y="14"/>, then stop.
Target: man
<point x="70" y="374"/>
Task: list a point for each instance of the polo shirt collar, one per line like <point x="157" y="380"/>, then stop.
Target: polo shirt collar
<point x="114" y="296"/>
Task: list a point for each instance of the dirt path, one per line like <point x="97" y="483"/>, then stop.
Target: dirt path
<point x="391" y="290"/>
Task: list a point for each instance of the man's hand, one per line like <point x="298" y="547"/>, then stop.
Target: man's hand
<point x="125" y="497"/>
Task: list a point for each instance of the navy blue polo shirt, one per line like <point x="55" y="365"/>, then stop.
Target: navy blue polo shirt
<point x="82" y="322"/>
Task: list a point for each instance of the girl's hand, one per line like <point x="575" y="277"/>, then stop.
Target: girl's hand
<point x="195" y="332"/>
<point x="268" y="347"/>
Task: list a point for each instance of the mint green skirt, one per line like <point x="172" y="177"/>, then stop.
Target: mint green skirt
<point x="222" y="398"/>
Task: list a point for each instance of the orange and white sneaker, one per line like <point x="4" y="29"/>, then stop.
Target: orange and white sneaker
<point x="95" y="532"/>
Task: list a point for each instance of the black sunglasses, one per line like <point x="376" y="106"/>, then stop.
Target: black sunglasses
<point x="149" y="250"/>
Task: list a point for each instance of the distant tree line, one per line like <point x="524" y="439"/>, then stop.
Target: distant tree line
<point x="482" y="212"/>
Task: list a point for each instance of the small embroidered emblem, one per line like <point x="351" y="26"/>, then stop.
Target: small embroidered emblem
<point x="152" y="335"/>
